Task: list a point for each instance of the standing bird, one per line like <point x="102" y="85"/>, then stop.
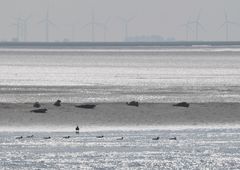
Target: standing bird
<point x="37" y="105"/>
<point x="77" y="130"/>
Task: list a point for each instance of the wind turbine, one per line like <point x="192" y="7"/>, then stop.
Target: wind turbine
<point x="188" y="27"/>
<point x="19" y="28"/>
<point x="227" y="23"/>
<point x="126" y="22"/>
<point x="197" y="25"/>
<point x="47" y="22"/>
<point x="73" y="32"/>
<point x="104" y="25"/>
<point x="25" y="25"/>
<point x="92" y="24"/>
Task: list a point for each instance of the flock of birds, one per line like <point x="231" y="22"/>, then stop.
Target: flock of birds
<point x="99" y="137"/>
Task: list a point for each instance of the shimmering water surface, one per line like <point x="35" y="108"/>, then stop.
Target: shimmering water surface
<point x="193" y="149"/>
<point x="147" y="74"/>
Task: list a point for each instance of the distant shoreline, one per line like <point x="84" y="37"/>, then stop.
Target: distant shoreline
<point x="76" y="45"/>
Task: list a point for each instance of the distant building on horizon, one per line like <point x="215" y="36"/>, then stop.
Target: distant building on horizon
<point x="151" y="38"/>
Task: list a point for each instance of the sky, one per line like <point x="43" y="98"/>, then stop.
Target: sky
<point x="149" y="17"/>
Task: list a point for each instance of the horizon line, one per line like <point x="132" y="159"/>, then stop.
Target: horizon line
<point x="118" y="43"/>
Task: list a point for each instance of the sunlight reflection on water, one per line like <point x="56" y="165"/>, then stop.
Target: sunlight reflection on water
<point x="193" y="149"/>
<point x="118" y="75"/>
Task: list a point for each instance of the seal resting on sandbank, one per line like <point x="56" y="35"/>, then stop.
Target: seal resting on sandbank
<point x="133" y="103"/>
<point x="57" y="103"/>
<point x="37" y="105"/>
<point x="86" y="106"/>
<point x="182" y="104"/>
<point x="39" y="110"/>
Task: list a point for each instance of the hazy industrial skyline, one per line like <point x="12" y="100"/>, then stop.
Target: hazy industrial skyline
<point x="68" y="19"/>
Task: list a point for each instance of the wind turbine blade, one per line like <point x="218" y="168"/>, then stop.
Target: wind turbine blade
<point x="202" y="27"/>
<point x="13" y="25"/>
<point x="125" y="20"/>
<point x="226" y="16"/>
<point x="18" y="19"/>
<point x="199" y="15"/>
<point x="222" y="25"/>
<point x="183" y="25"/>
<point x="189" y="27"/>
<point x="98" y="23"/>
<point x="188" y="24"/>
<point x="28" y="18"/>
<point x="86" y="25"/>
<point x="51" y="23"/>
<point x="103" y="25"/>
<point x="233" y="23"/>
<point x="107" y="20"/>
<point x="130" y="19"/>
<point x="122" y="19"/>
<point x="42" y="21"/>
<point x="192" y="22"/>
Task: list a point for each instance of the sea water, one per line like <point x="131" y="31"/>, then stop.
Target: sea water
<point x="146" y="74"/>
<point x="194" y="149"/>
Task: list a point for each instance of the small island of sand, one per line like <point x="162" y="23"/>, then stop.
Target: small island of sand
<point x="120" y="114"/>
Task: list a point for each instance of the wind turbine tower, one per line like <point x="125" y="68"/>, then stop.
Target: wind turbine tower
<point x="104" y="24"/>
<point x="73" y="32"/>
<point x="47" y="22"/>
<point x="227" y="23"/>
<point x="19" y="28"/>
<point x="25" y="26"/>
<point x="92" y="24"/>
<point x="126" y="23"/>
<point x="187" y="28"/>
<point x="197" y="25"/>
<point x="93" y="27"/>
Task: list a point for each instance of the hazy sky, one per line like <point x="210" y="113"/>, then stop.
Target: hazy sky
<point x="151" y="17"/>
